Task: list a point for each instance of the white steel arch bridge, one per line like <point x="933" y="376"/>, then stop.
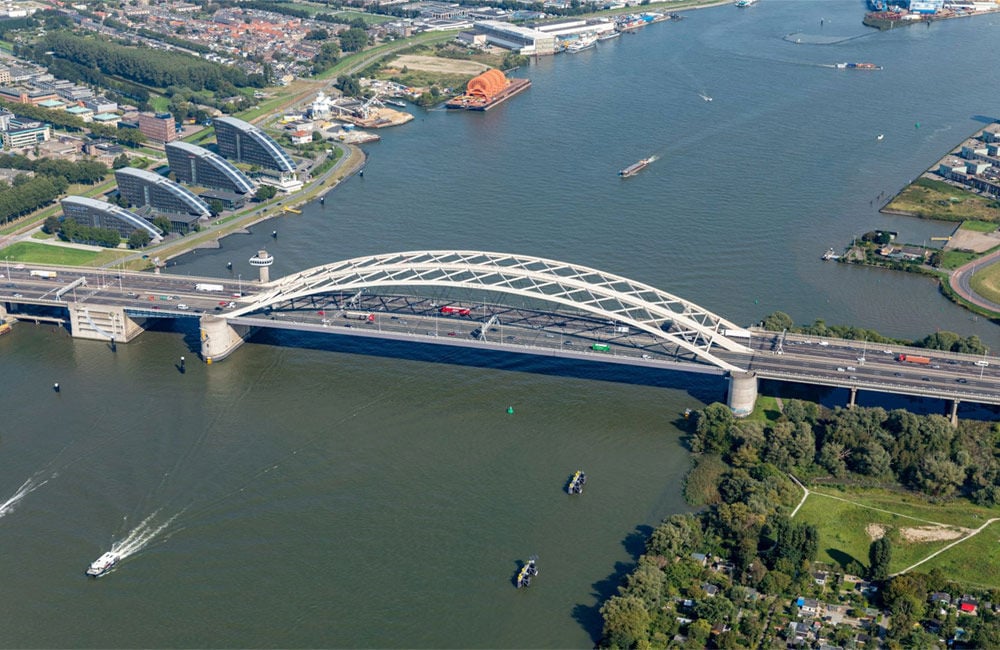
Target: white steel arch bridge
<point x="667" y="318"/>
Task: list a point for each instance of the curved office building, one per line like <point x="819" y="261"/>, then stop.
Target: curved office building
<point x="100" y="214"/>
<point x="199" y="166"/>
<point x="145" y="189"/>
<point x="245" y="143"/>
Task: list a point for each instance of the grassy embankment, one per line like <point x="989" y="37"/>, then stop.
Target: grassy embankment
<point x="845" y="522"/>
<point x="931" y="199"/>
<point x="35" y="253"/>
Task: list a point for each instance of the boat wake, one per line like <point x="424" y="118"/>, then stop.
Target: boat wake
<point x="141" y="536"/>
<point x="26" y="488"/>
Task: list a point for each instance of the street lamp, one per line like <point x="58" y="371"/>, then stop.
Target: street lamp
<point x="239" y="281"/>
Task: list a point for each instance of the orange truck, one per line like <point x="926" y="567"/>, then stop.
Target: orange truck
<point x="912" y="358"/>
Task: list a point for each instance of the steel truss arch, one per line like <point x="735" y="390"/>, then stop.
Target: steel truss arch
<point x="605" y="295"/>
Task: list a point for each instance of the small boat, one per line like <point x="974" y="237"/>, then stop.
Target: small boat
<point x="103" y="564"/>
<point x="394" y="102"/>
<point x="581" y="44"/>
<point x="527" y="572"/>
<point x="606" y="36"/>
<point x="857" y="66"/>
<point x="576" y="482"/>
<point x="880" y="136"/>
<point x="707" y="98"/>
<point x="745" y="3"/>
<point x="830" y="254"/>
<point x="635" y="168"/>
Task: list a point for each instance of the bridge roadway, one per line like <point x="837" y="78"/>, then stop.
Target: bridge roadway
<point x="804" y="359"/>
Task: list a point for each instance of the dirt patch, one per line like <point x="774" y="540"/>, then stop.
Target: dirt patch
<point x="971" y="240"/>
<point x="876" y="531"/>
<point x="435" y="64"/>
<point x="931" y="533"/>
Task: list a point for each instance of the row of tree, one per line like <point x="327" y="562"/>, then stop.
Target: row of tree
<point x="868" y="445"/>
<point x="942" y="340"/>
<point x="88" y="172"/>
<point x="25" y="195"/>
<point x="143" y="65"/>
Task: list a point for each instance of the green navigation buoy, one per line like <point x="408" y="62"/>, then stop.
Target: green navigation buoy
<point x="510" y="410"/>
<point x="917" y="125"/>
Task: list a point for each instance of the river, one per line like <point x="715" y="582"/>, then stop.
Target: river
<point x="299" y="494"/>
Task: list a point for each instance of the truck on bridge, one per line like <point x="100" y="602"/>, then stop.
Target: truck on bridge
<point x="206" y="286"/>
<point x="461" y="311"/>
<point x="48" y="275"/>
<point x="912" y="358"/>
<point x="360" y="315"/>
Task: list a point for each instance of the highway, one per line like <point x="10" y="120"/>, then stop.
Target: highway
<point x="797" y="358"/>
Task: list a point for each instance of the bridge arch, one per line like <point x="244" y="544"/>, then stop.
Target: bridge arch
<point x="666" y="317"/>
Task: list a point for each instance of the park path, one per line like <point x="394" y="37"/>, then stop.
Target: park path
<point x="973" y="533"/>
<point x="945" y="548"/>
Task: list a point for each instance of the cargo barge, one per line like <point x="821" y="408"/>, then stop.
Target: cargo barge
<point x="480" y="102"/>
<point x="635" y="168"/>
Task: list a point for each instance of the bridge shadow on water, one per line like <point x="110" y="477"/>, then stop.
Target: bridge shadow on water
<point x="589" y="616"/>
<point x="705" y="388"/>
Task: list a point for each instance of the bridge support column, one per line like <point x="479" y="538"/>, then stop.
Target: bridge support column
<point x="854" y="397"/>
<point x="954" y="412"/>
<point x="219" y="339"/>
<point x="101" y="323"/>
<point x="742" y="393"/>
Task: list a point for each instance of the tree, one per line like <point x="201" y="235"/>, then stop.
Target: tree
<point x="353" y="39"/>
<point x="51" y="225"/>
<point x="879" y="556"/>
<point x="216" y="206"/>
<point x="318" y="34"/>
<point x="138" y="239"/>
<point x="120" y="162"/>
<point x="161" y="222"/>
<point x="712" y="427"/>
<point x="626" y="621"/>
<point x="778" y="321"/>
<point x="265" y="193"/>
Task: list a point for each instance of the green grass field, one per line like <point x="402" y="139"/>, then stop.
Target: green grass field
<point x="30" y="252"/>
<point x="843" y="526"/>
<point x="975" y="562"/>
<point x="933" y="199"/>
<point x="986" y="282"/>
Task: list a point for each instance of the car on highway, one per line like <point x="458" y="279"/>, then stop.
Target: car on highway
<point x="18" y="295"/>
<point x="962" y="380"/>
<point x="132" y="294"/>
<point x="925" y="379"/>
<point x="452" y="333"/>
<point x="182" y="306"/>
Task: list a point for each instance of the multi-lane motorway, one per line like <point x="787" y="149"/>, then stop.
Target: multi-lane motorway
<point x="803" y="359"/>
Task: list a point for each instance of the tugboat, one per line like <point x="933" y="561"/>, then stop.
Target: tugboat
<point x="103" y="564"/>
<point x="576" y="482"/>
<point x="529" y="570"/>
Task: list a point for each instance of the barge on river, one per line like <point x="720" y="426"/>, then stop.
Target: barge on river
<point x="487" y="90"/>
<point x="635" y="168"/>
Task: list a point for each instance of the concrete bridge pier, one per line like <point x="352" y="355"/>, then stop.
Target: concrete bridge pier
<point x="954" y="412"/>
<point x="854" y="397"/>
<point x="101" y="323"/>
<point x="219" y="338"/>
<point x="742" y="393"/>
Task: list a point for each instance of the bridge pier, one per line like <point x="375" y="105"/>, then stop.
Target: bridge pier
<point x="219" y="339"/>
<point x="101" y="323"/>
<point x="954" y="412"/>
<point x="854" y="397"/>
<point x="742" y="393"/>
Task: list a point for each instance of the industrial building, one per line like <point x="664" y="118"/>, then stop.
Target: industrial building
<point x="156" y="194"/>
<point x="100" y="214"/>
<point x="199" y="166"/>
<point x="522" y="40"/>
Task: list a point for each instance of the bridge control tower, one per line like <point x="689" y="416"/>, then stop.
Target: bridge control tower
<point x="262" y="260"/>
